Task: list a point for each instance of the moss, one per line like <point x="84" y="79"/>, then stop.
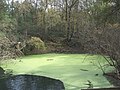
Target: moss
<point x="73" y="69"/>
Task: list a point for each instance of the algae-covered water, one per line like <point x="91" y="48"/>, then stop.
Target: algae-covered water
<point x="73" y="69"/>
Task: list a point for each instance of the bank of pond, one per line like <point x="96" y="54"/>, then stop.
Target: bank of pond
<point x="76" y="71"/>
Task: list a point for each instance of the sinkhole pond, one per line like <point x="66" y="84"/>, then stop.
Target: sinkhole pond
<point x="72" y="69"/>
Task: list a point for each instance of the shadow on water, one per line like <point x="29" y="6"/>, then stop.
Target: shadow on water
<point x="30" y="82"/>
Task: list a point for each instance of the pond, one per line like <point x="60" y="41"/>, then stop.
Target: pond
<point x="74" y="70"/>
<point x="30" y="82"/>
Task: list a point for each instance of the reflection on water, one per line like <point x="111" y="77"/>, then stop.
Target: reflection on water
<point x="30" y="82"/>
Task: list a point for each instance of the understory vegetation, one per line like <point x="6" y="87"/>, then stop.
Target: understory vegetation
<point x="61" y="26"/>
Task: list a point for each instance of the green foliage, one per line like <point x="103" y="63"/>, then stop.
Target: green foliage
<point x="3" y="8"/>
<point x="107" y="11"/>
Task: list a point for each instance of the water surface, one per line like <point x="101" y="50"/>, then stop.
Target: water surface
<point x="73" y="69"/>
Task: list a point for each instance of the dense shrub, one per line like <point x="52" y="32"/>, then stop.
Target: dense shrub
<point x="5" y="50"/>
<point x="34" y="46"/>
